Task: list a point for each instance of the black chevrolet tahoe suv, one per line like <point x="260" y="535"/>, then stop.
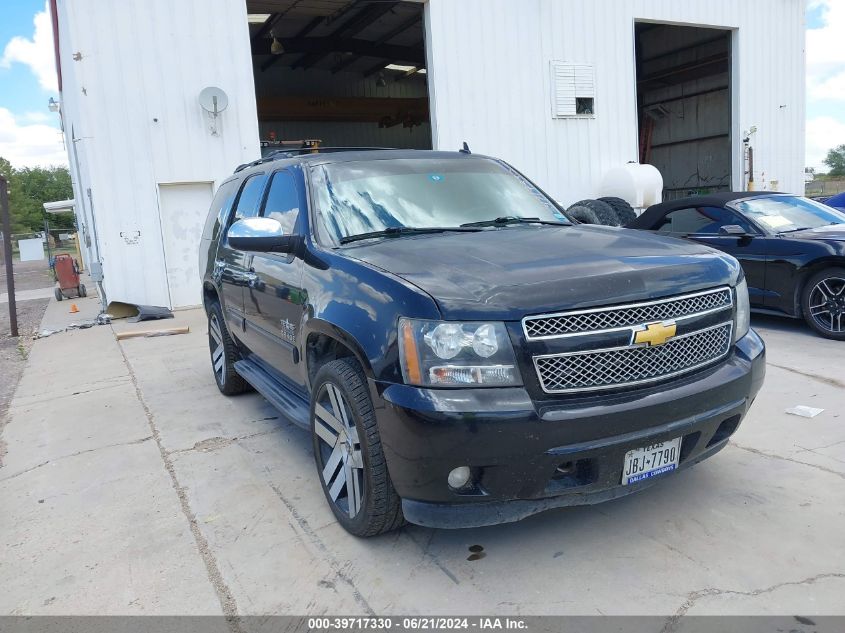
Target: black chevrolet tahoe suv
<point x="461" y="352"/>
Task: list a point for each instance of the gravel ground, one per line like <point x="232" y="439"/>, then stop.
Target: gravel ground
<point x="13" y="351"/>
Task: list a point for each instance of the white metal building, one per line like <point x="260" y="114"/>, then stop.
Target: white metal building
<point x="565" y="90"/>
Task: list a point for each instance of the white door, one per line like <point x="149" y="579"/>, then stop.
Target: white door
<point x="184" y="208"/>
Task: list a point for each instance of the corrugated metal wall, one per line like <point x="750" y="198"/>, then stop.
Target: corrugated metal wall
<point x="131" y="99"/>
<point x="489" y="81"/>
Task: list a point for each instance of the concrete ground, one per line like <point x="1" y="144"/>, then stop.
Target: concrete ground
<point x="131" y="486"/>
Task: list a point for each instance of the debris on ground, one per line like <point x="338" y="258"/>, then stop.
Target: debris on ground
<point x="134" y="313"/>
<point x="804" y="411"/>
<point x="184" y="329"/>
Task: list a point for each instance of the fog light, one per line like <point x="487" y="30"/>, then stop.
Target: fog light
<point x="459" y="477"/>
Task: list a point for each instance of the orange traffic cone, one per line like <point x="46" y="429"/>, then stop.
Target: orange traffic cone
<point x="73" y="308"/>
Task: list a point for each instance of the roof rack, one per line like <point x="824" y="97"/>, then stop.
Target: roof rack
<point x="293" y="153"/>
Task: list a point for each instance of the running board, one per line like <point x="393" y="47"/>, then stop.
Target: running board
<point x="290" y="405"/>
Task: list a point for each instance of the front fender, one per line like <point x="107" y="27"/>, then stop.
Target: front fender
<point x="360" y="306"/>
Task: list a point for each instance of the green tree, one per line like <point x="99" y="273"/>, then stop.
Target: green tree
<point x="29" y="189"/>
<point x="836" y="161"/>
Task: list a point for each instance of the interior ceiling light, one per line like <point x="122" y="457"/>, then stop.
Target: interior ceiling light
<point x="257" y="18"/>
<point x="401" y="67"/>
<point x="276" y="47"/>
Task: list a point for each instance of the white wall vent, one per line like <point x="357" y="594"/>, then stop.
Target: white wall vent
<point x="573" y="90"/>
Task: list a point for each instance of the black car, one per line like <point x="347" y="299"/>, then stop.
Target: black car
<point x="791" y="248"/>
<point x="461" y="352"/>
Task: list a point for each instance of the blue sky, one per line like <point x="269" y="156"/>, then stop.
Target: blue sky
<point x="29" y="132"/>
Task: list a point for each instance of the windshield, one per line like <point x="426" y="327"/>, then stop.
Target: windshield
<point x="781" y="214"/>
<point x="357" y="198"/>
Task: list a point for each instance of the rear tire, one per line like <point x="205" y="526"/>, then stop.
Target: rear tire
<point x="823" y="303"/>
<point x="82" y="291"/>
<point x="624" y="211"/>
<point x="58" y="293"/>
<point x="604" y="212"/>
<point x="348" y="453"/>
<point x="224" y="354"/>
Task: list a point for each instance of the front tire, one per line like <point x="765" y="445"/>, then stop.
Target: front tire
<point x="348" y="453"/>
<point x="224" y="354"/>
<point x="823" y="303"/>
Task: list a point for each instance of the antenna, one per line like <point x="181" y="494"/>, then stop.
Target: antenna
<point x="214" y="101"/>
<point x="465" y="149"/>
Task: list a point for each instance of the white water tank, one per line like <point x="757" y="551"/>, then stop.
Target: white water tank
<point x="639" y="185"/>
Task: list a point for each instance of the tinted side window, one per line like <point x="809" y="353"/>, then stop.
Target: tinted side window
<point x="283" y="201"/>
<point x="701" y="221"/>
<point x="220" y="207"/>
<point x="247" y="205"/>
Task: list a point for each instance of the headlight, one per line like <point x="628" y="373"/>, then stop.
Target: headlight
<point x="743" y="311"/>
<point x="453" y="354"/>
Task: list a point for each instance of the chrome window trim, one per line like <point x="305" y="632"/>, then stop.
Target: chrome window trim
<point x="621" y="385"/>
<point x="626" y="306"/>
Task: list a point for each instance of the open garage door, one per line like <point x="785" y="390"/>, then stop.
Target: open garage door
<point x="684" y="106"/>
<point x="339" y="73"/>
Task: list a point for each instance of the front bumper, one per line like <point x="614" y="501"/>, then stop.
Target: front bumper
<point x="528" y="456"/>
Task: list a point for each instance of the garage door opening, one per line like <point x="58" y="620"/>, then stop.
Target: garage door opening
<point x="684" y="106"/>
<point x="339" y="73"/>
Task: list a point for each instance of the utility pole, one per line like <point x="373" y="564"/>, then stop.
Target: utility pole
<point x="7" y="254"/>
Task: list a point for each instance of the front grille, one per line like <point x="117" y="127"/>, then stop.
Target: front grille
<point x="582" y="321"/>
<point x="625" y="366"/>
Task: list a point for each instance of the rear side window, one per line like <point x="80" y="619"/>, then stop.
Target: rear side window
<point x="283" y="201"/>
<point x="247" y="205"/>
<point x="220" y="208"/>
<point x="701" y="221"/>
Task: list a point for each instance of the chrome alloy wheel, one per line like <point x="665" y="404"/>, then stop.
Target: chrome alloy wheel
<point x="340" y="458"/>
<point x="218" y="349"/>
<point x="827" y="304"/>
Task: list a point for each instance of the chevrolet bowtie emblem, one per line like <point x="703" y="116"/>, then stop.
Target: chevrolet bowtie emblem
<point x="655" y="334"/>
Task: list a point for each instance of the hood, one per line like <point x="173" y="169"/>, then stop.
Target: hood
<point x="512" y="272"/>
<point x="830" y="232"/>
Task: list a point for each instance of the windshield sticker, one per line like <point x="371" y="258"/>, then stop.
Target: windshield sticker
<point x="559" y="216"/>
<point x="435" y="177"/>
<point x="774" y="221"/>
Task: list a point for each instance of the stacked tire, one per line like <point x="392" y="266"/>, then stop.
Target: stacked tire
<point x="606" y="211"/>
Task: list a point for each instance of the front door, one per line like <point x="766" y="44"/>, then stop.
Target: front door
<point x="274" y="299"/>
<point x="703" y="224"/>
<point x="230" y="265"/>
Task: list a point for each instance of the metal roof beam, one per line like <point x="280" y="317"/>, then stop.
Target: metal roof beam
<point x="384" y="39"/>
<point x="351" y="27"/>
<point x="326" y="45"/>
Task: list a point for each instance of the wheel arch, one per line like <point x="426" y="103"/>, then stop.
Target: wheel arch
<point x="325" y="342"/>
<point x="805" y="273"/>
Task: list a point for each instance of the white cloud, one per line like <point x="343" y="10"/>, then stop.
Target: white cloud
<point x="826" y="52"/>
<point x="823" y="133"/>
<point x="37" y="53"/>
<point x="30" y="145"/>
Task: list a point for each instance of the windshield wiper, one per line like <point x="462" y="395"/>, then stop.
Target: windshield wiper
<point x="511" y="219"/>
<point x="400" y="231"/>
<point x="800" y="228"/>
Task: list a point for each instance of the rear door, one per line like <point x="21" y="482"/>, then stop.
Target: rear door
<point x="230" y="265"/>
<point x="703" y="224"/>
<point x="274" y="299"/>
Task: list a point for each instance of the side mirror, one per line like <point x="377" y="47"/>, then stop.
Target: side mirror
<point x="734" y="230"/>
<point x="260" y="235"/>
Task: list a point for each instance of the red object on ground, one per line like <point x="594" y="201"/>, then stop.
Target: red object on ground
<point x="67" y="273"/>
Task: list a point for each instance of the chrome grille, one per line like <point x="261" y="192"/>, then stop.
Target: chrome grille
<point x="582" y="321"/>
<point x="624" y="366"/>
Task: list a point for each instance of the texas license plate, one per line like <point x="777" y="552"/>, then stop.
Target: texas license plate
<point x="650" y="461"/>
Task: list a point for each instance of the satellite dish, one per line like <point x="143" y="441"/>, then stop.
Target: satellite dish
<point x="213" y="100"/>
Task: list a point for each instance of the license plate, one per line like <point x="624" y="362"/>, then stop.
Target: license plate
<point x="650" y="461"/>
